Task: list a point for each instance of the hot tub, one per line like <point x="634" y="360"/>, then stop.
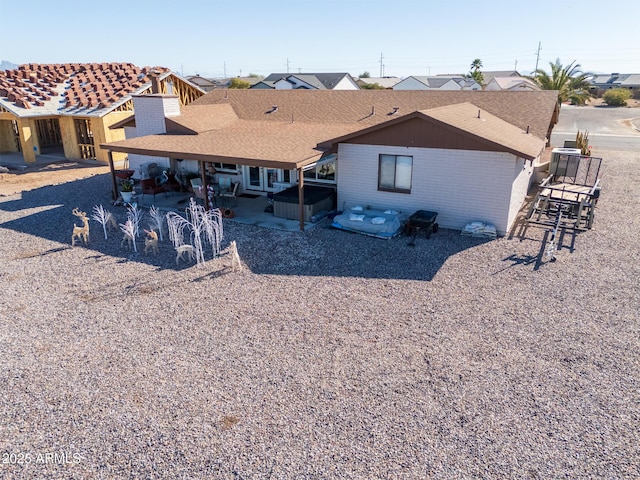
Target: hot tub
<point x="316" y="199"/>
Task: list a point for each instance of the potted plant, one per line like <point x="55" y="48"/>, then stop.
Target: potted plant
<point x="126" y="190"/>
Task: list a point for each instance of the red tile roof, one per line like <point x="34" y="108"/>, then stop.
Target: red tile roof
<point x="30" y="85"/>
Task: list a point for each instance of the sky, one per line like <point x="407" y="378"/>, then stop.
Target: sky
<point x="391" y="37"/>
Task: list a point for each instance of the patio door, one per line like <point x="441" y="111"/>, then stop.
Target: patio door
<point x="261" y="178"/>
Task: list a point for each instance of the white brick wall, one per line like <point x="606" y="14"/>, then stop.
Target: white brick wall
<point x="150" y="112"/>
<point x="462" y="186"/>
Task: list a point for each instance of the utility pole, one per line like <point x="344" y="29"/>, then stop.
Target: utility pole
<point x="537" y="59"/>
<point x="515" y="67"/>
<point x="225" y="69"/>
<point x="287" y="64"/>
<point x="381" y="66"/>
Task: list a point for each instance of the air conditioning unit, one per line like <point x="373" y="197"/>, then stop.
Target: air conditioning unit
<point x="560" y="161"/>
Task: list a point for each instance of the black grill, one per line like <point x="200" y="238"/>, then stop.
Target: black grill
<point x="422" y="220"/>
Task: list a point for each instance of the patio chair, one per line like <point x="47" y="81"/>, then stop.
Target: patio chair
<point x="233" y="193"/>
<point x="151" y="187"/>
<point x="225" y="183"/>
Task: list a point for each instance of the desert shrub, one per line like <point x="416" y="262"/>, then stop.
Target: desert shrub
<point x="239" y="83"/>
<point x="616" y="97"/>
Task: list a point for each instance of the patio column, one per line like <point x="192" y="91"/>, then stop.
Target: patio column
<point x="301" y="198"/>
<point x="114" y="193"/>
<point x="203" y="176"/>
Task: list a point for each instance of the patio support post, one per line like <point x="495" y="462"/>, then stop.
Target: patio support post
<point x="114" y="193"/>
<point x="203" y="176"/>
<point x="301" y="197"/>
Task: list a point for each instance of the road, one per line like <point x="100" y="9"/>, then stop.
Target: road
<point x="609" y="128"/>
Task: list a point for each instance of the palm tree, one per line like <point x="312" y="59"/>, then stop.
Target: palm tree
<point x="571" y="82"/>
<point x="475" y="72"/>
<point x="476" y="65"/>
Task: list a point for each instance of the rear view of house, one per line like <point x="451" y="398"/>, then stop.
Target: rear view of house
<point x="470" y="155"/>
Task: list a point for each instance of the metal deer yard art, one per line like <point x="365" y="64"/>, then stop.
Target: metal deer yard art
<point x="151" y="242"/>
<point x="81" y="233"/>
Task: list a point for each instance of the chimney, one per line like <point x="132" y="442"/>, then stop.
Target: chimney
<point x="155" y="81"/>
<point x="151" y="112"/>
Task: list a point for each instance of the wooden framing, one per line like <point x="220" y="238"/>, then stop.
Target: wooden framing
<point x="32" y="126"/>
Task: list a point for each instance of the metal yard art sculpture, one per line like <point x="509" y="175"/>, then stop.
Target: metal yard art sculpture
<point x="104" y="218"/>
<point x="201" y="227"/>
<point x="157" y="220"/>
<point x="151" y="242"/>
<point x="135" y="215"/>
<point x="131" y="227"/>
<point x="81" y="233"/>
<point x="129" y="230"/>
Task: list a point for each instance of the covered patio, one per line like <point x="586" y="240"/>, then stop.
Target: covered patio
<point x="250" y="210"/>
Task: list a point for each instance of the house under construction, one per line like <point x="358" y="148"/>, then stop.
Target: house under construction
<point x="67" y="109"/>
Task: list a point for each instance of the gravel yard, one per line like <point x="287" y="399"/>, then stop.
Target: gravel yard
<point x="331" y="355"/>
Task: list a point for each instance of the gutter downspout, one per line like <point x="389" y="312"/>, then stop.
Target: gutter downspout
<point x="205" y="190"/>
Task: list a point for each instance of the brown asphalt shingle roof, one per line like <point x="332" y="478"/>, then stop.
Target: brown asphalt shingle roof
<point x="289" y="136"/>
<point x="468" y="118"/>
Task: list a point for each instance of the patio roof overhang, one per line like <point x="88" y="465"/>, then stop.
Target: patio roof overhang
<point x="141" y="146"/>
<point x="213" y="157"/>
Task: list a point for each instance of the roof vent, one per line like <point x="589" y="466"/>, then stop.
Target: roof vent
<point x="273" y="109"/>
<point x="394" y="111"/>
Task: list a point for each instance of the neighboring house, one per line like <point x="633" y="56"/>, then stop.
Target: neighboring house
<point x="489" y="74"/>
<point x="225" y="82"/>
<point x="512" y="84"/>
<point x="206" y="84"/>
<point x="68" y="109"/>
<point x="386" y="83"/>
<point x="471" y="155"/>
<point x="307" y="81"/>
<point x="630" y="81"/>
<point x="438" y="82"/>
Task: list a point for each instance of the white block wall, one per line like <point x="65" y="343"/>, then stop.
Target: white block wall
<point x="462" y="186"/>
<point x="523" y="176"/>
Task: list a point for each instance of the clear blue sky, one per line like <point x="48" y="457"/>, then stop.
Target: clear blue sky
<point x="414" y="37"/>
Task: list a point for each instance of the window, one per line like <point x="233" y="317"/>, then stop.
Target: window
<point x="324" y="170"/>
<point x="85" y="138"/>
<point x="394" y="173"/>
<point x="226" y="167"/>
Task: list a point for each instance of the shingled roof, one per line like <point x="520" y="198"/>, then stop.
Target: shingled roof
<point x="72" y="88"/>
<point x="320" y="81"/>
<point x="287" y="129"/>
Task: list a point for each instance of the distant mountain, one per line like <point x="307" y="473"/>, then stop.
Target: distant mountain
<point x="5" y="65"/>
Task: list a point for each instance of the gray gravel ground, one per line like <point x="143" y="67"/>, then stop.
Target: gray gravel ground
<point x="331" y="355"/>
